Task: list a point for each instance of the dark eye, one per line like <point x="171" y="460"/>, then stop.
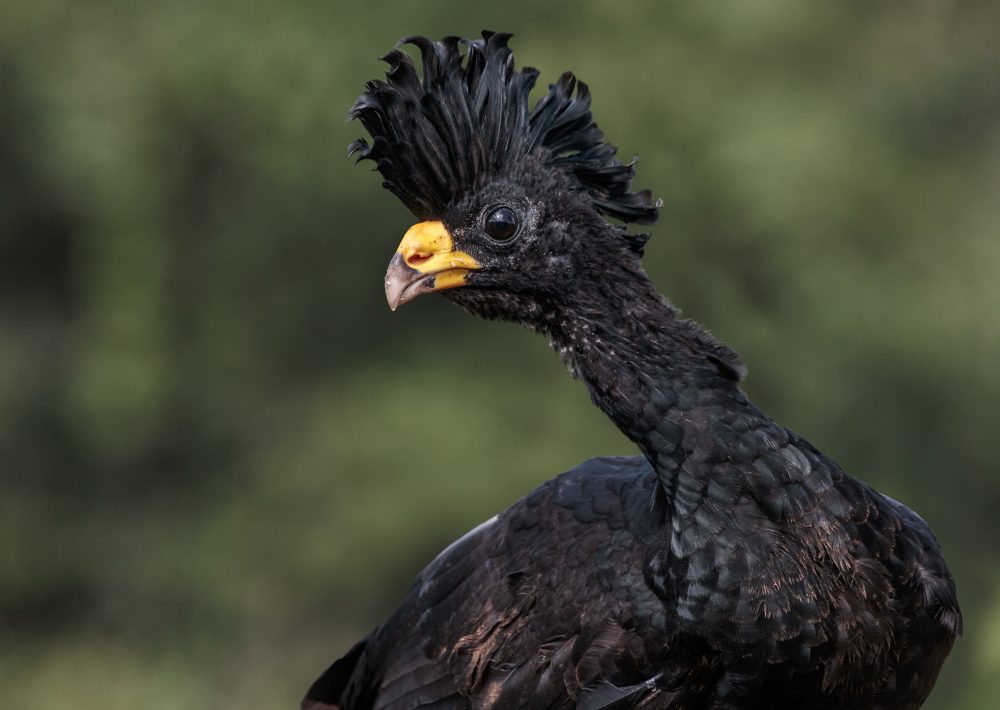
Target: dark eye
<point x="501" y="224"/>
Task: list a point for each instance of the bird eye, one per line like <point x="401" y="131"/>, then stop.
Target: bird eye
<point x="501" y="224"/>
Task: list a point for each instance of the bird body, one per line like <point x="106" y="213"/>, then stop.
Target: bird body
<point x="732" y="565"/>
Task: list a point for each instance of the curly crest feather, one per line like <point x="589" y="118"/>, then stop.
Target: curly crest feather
<point x="467" y="118"/>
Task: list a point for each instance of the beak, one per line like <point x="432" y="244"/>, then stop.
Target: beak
<point x="425" y="261"/>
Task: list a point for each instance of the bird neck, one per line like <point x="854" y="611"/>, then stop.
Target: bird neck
<point x="662" y="379"/>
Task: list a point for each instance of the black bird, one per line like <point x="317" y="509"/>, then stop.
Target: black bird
<point x="732" y="565"/>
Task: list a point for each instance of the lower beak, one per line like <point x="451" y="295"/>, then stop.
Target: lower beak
<point x="425" y="261"/>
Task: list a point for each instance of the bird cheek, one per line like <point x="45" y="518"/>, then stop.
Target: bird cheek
<point x="482" y="279"/>
<point x="561" y="268"/>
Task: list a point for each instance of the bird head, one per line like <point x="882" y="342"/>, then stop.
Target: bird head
<point x="513" y="199"/>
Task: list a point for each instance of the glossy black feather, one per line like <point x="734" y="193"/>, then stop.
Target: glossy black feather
<point x="732" y="565"/>
<point x="442" y="133"/>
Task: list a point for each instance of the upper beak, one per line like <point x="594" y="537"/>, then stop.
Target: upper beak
<point x="425" y="261"/>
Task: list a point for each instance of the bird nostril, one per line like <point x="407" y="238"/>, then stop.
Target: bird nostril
<point x="414" y="259"/>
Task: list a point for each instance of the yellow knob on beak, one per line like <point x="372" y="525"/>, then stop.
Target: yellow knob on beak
<point x="425" y="261"/>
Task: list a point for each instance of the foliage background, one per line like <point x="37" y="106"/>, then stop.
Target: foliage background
<point x="223" y="459"/>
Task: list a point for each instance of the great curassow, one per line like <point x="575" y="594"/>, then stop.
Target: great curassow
<point x="732" y="565"/>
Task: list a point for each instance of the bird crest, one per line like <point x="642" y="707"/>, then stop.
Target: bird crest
<point x="467" y="118"/>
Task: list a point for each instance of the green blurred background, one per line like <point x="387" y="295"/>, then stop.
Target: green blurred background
<point x="222" y="457"/>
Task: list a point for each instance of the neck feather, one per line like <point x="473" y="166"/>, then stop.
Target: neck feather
<point x="663" y="380"/>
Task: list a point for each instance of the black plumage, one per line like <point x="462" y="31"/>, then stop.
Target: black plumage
<point x="439" y="138"/>
<point x="732" y="565"/>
